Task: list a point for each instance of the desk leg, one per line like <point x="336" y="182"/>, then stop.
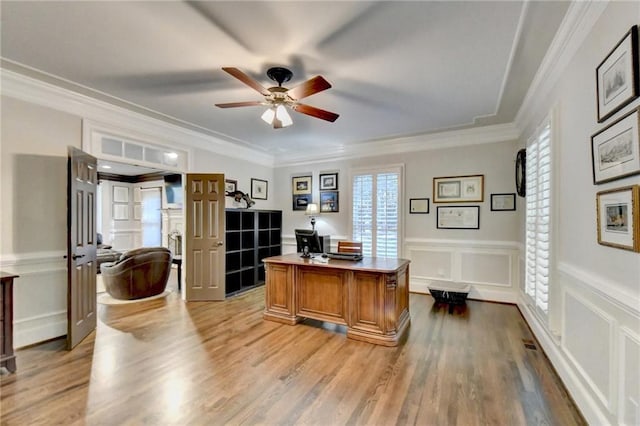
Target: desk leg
<point x="179" y="275"/>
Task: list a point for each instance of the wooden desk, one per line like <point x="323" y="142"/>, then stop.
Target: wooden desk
<point x="370" y="297"/>
<point x="7" y="357"/>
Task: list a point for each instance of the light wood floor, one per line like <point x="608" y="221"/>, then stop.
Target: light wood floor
<point x="169" y="362"/>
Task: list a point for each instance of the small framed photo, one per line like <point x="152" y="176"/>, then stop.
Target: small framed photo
<point x="418" y="205"/>
<point x="615" y="150"/>
<point x="329" y="202"/>
<point x="458" y="189"/>
<point x="328" y="181"/>
<point x="619" y="218"/>
<point x="230" y="185"/>
<point x="617" y="76"/>
<point x="259" y="189"/>
<point x="503" y="202"/>
<point x="458" y="217"/>
<point x="301" y="185"/>
<point x="301" y="201"/>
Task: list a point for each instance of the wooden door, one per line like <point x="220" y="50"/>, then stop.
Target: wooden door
<point x="204" y="234"/>
<point x="82" y="180"/>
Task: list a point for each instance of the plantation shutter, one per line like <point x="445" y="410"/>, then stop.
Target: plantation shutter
<point x="376" y="212"/>
<point x="538" y="213"/>
<point x="387" y="215"/>
<point x="363" y="214"/>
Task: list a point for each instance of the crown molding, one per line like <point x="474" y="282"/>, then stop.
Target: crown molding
<point x="38" y="92"/>
<point x="425" y="142"/>
<point x="575" y="27"/>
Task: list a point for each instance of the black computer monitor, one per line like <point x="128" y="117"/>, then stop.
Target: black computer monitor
<point x="308" y="242"/>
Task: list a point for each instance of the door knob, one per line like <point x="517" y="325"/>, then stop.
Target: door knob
<point x="75" y="256"/>
<point x="219" y="243"/>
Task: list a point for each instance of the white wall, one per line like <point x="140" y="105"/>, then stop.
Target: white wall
<point x="34" y="215"/>
<point x="486" y="258"/>
<point x="241" y="171"/>
<point x="595" y="290"/>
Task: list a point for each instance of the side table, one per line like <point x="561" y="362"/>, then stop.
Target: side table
<point x="177" y="260"/>
<point x="7" y="357"/>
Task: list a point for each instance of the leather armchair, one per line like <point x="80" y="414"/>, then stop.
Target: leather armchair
<point x="139" y="273"/>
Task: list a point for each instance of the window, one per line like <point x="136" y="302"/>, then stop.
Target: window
<point x="538" y="215"/>
<point x="376" y="211"/>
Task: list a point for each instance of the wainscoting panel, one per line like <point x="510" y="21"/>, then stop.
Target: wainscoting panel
<point x="39" y="295"/>
<point x="491" y="267"/>
<point x="486" y="268"/>
<point x="629" y="377"/>
<point x="595" y="362"/>
<point x="427" y="264"/>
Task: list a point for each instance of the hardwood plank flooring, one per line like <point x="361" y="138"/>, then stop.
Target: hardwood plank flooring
<point x="166" y="362"/>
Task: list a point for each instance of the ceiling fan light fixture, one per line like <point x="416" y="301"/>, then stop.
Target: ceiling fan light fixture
<point x="269" y="115"/>
<point x="278" y="117"/>
<point x="283" y="116"/>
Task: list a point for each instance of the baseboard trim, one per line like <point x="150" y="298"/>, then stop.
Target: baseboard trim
<point x="28" y="331"/>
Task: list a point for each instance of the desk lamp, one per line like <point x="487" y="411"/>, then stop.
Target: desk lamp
<point x="312" y="210"/>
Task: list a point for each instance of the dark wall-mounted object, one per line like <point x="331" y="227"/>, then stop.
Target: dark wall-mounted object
<point x="521" y="171"/>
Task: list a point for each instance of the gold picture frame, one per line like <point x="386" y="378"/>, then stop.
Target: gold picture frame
<point x="618" y="217"/>
<point x="458" y="189"/>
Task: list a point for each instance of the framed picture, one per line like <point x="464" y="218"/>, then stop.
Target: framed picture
<point x="230" y="185"/>
<point x="619" y="218"/>
<point x="458" y="189"/>
<point x="503" y="202"/>
<point x="329" y="202"/>
<point x="458" y="217"/>
<point x="328" y="181"/>
<point x="617" y="76"/>
<point x="418" y="205"/>
<point x="301" y="185"/>
<point x="301" y="201"/>
<point x="615" y="150"/>
<point x="259" y="189"/>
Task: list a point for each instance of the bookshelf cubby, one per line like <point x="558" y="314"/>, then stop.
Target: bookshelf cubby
<point x="250" y="235"/>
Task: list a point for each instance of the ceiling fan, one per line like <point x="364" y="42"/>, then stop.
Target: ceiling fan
<point x="278" y="97"/>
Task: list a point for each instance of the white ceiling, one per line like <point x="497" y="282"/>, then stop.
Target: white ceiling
<point x="397" y="68"/>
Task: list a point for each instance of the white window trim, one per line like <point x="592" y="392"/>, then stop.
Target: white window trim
<point x="392" y="168"/>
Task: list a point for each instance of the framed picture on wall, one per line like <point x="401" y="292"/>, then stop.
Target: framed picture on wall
<point x="458" y="217"/>
<point x="618" y="217"/>
<point x="503" y="202"/>
<point x="418" y="205"/>
<point x="230" y="186"/>
<point x="329" y="202"/>
<point x="458" y="189"/>
<point x="615" y="150"/>
<point x="301" y="185"/>
<point x="617" y="76"/>
<point x="301" y="201"/>
<point x="328" y="181"/>
<point x="259" y="189"/>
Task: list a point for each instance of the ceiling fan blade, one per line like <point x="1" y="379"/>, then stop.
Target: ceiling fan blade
<point x="246" y="80"/>
<point x="309" y="87"/>
<point x="239" y="104"/>
<point x="315" y="112"/>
